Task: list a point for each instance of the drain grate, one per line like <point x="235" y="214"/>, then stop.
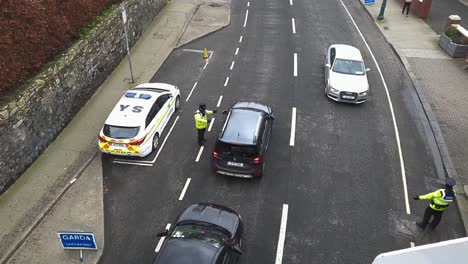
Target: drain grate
<point x="386" y="28"/>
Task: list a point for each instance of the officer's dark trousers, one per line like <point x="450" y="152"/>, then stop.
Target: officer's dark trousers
<point x="201" y="136"/>
<point x="427" y="216"/>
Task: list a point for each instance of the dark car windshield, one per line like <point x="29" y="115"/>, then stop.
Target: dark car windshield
<point x="120" y="132"/>
<point x="248" y="151"/>
<point x="349" y="67"/>
<point x="204" y="233"/>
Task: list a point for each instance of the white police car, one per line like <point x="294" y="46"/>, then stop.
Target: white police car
<point x="136" y="123"/>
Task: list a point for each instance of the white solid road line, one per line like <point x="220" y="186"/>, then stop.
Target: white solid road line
<point x="211" y="124"/>
<point x="395" y="126"/>
<point x="206" y="64"/>
<point x="161" y="240"/>
<point x="219" y="101"/>
<point x="282" y="235"/>
<point x="295" y="64"/>
<point x="237" y="51"/>
<point x="232" y="65"/>
<point x="182" y="194"/>
<point x="240" y="39"/>
<point x="226" y="82"/>
<point x="293" y="127"/>
<point x="293" y="26"/>
<point x="165" y="139"/>
<point x="246" y="17"/>
<point x="191" y="91"/>
<point x="199" y="153"/>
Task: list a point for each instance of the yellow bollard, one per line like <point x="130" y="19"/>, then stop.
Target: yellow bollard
<point x="205" y="53"/>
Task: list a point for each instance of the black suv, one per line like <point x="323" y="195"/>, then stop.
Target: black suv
<point x="242" y="144"/>
<point x="203" y="234"/>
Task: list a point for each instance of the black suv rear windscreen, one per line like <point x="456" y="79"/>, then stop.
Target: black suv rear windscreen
<point x="247" y="151"/>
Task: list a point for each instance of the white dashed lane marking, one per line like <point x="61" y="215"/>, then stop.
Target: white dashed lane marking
<point x="246" y="17"/>
<point x="191" y="91"/>
<point x="295" y="64"/>
<point x="282" y="235"/>
<point x="237" y="51"/>
<point x="182" y="194"/>
<point x="226" y="82"/>
<point x="293" y="127"/>
<point x="199" y="153"/>
<point x="161" y="240"/>
<point x="293" y="26"/>
<point x="219" y="101"/>
<point x="232" y="65"/>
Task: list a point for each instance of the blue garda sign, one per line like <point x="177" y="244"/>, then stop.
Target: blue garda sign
<point x="369" y="2"/>
<point x="77" y="240"/>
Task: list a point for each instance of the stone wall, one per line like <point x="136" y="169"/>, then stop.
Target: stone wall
<point x="32" y="116"/>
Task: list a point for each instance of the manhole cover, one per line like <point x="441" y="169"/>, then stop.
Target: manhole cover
<point x="214" y="5"/>
<point x="386" y="28"/>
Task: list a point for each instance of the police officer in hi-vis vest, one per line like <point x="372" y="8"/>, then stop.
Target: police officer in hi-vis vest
<point x="440" y="201"/>
<point x="201" y="121"/>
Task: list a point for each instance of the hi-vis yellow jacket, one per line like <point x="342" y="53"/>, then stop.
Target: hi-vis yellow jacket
<point x="201" y="121"/>
<point x="440" y="200"/>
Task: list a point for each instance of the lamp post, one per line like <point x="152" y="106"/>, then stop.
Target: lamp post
<point x="382" y="10"/>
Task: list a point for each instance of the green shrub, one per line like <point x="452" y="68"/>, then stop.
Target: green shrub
<point x="455" y="35"/>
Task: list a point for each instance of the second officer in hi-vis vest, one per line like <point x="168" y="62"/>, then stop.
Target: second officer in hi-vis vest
<point x="440" y="201"/>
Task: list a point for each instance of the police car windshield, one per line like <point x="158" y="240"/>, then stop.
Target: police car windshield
<point x="120" y="132"/>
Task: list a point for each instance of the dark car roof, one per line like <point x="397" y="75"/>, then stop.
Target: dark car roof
<point x="253" y="105"/>
<point x="242" y="126"/>
<point x="187" y="251"/>
<point x="214" y="214"/>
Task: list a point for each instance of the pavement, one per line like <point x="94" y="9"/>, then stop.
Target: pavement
<point x="63" y="189"/>
<point x="440" y="81"/>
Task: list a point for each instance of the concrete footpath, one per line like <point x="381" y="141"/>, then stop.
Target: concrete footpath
<point x="63" y="189"/>
<point x="441" y="84"/>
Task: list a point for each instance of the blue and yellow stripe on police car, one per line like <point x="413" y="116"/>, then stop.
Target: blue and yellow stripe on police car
<point x="153" y="130"/>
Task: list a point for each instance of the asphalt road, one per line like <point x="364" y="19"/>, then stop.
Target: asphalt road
<point x="341" y="181"/>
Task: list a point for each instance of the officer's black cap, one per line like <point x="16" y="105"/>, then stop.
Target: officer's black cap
<point x="450" y="181"/>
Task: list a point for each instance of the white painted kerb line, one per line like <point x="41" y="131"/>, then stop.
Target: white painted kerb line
<point x="246" y="17"/>
<point x="211" y="124"/>
<point x="232" y="65"/>
<point x="293" y="127"/>
<point x="295" y="64"/>
<point x="282" y="235"/>
<point x="219" y="101"/>
<point x="182" y="194"/>
<point x="226" y="82"/>
<point x="199" y="153"/>
<point x="191" y="91"/>
<point x="397" y="134"/>
<point x="293" y="25"/>
<point x="161" y="240"/>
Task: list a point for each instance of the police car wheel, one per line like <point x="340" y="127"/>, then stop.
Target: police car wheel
<point x="155" y="141"/>
<point x="177" y="103"/>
